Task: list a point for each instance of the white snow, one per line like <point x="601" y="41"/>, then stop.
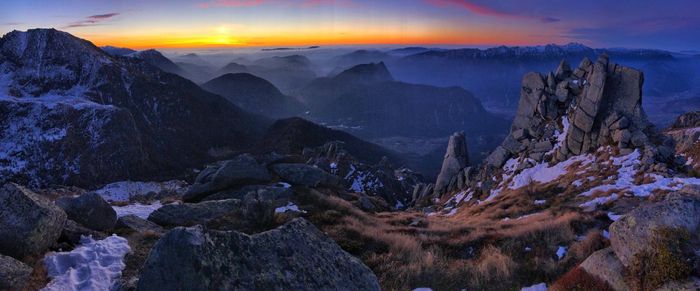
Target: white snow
<point x="544" y="173"/>
<point x="94" y="265"/>
<point x="540" y="202"/>
<point x="289" y="207"/>
<point x="606" y="234"/>
<point x="536" y="287"/>
<point x="283" y="185"/>
<point x="365" y="182"/>
<point x="561" y="252"/>
<point x="138" y="209"/>
<point x="628" y="167"/>
<point x="122" y="191"/>
<point x="613" y="216"/>
<point x="398" y="205"/>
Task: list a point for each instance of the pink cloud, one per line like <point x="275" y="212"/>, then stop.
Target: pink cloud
<point x="233" y="3"/>
<point x="473" y="7"/>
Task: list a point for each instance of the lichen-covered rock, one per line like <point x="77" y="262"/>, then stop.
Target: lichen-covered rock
<point x="605" y="265"/>
<point x="633" y="233"/>
<point x="295" y="256"/>
<point x="29" y="223"/>
<point x="13" y="273"/>
<point x="90" y="210"/>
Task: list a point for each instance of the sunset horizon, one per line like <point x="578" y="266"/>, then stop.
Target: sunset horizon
<point x="269" y="23"/>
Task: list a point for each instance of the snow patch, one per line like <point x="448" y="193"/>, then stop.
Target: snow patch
<point x="536" y="287"/>
<point x="289" y="207"/>
<point x="561" y="252"/>
<point x="94" y="265"/>
<point x="122" y="191"/>
<point x="138" y="209"/>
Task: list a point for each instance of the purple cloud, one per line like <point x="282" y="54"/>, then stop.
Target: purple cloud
<point x="92" y="20"/>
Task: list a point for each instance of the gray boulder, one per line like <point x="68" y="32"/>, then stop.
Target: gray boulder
<point x="13" y="273"/>
<point x="273" y="193"/>
<point x="607" y="267"/>
<point x="456" y="158"/>
<point x="29" y="223"/>
<point x="188" y="214"/>
<point x="295" y="256"/>
<point x="243" y="169"/>
<point x="633" y="233"/>
<point x="138" y="224"/>
<point x="72" y="231"/>
<point x="90" y="210"/>
<point x="302" y="174"/>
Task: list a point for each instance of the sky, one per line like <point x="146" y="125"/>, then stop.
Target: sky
<point x="139" y="24"/>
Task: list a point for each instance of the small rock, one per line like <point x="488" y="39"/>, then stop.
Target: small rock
<point x="72" y="232"/>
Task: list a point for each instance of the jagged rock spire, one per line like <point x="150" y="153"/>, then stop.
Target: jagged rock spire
<point x="456" y="159"/>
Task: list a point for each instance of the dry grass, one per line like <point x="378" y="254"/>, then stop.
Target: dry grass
<point x="579" y="280"/>
<point x="592" y="242"/>
<point x="476" y="251"/>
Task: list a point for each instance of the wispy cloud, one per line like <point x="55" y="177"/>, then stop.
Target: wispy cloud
<point x="484" y="9"/>
<point x="92" y="20"/>
<point x="253" y="3"/>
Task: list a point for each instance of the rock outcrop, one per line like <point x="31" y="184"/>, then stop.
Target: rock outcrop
<point x="456" y="159"/>
<point x="90" y="210"/>
<point x="29" y="223"/>
<point x="306" y="175"/>
<point x="567" y="113"/>
<point x="138" y="224"/>
<point x="241" y="170"/>
<point x="294" y="256"/>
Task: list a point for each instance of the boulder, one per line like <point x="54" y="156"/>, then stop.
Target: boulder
<point x="29" y="223"/>
<point x="456" y="158"/>
<point x="302" y="174"/>
<point x="72" y="231"/>
<point x="295" y="256"/>
<point x="138" y="224"/>
<point x="188" y="214"/>
<point x="243" y="169"/>
<point x="633" y="233"/>
<point x="272" y="193"/>
<point x="13" y="274"/>
<point x="498" y="157"/>
<point x="90" y="210"/>
<point x="605" y="265"/>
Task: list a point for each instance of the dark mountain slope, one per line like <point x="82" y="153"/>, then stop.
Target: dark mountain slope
<point x="76" y="115"/>
<point x="254" y="94"/>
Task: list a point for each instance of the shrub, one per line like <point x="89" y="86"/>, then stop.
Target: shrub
<point x="577" y="279"/>
<point x="666" y="260"/>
